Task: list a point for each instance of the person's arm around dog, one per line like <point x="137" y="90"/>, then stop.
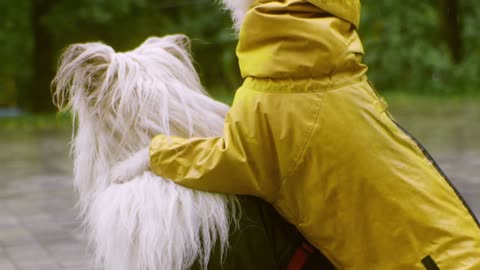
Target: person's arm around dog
<point x="239" y="162"/>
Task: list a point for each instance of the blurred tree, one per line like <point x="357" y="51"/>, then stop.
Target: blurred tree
<point x="43" y="57"/>
<point x="408" y="46"/>
<point x="15" y="51"/>
<point x="451" y="26"/>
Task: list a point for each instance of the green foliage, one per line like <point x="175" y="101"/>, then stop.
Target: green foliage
<point x="14" y="30"/>
<point x="15" y="49"/>
<point x="34" y="123"/>
<point x="405" y="45"/>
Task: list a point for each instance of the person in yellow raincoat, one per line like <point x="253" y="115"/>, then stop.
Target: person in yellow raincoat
<point x="308" y="133"/>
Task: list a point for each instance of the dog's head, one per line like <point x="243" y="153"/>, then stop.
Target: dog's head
<point x="95" y="77"/>
<point x="152" y="89"/>
<point x="122" y="100"/>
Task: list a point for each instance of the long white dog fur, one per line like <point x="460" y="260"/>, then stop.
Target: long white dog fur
<point x="119" y="102"/>
<point x="238" y="9"/>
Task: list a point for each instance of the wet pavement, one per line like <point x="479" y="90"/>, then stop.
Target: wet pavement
<point x="38" y="229"/>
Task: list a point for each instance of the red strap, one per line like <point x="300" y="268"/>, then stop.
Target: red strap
<point x="300" y="256"/>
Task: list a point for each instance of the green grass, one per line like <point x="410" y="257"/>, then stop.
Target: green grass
<point x="30" y="122"/>
<point x="400" y="95"/>
<point x="406" y="99"/>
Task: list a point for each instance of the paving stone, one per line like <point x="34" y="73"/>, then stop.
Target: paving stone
<point x="15" y="236"/>
<point x="28" y="253"/>
<point x="79" y="263"/>
<point x="6" y="263"/>
<point x="8" y="221"/>
<point x="23" y="208"/>
<point x="67" y="251"/>
<point x="38" y="265"/>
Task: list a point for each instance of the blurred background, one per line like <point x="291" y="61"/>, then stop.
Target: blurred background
<point x="424" y="57"/>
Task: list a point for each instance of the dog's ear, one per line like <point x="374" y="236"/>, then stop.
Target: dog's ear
<point x="177" y="45"/>
<point x="180" y="40"/>
<point x="71" y="53"/>
<point x="90" y="60"/>
<point x="180" y="47"/>
<point x="82" y="68"/>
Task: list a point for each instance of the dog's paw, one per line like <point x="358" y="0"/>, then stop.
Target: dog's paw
<point x="126" y="170"/>
<point x="120" y="175"/>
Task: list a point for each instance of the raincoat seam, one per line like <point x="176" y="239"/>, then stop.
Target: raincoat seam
<point x="327" y="89"/>
<point x="302" y="152"/>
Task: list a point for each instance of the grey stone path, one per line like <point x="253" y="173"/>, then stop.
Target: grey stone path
<point x="38" y="230"/>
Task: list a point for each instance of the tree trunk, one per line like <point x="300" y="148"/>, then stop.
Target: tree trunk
<point x="43" y="59"/>
<point x="451" y="28"/>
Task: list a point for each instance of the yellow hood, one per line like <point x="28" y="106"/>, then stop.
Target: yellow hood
<point x="298" y="39"/>
<point x="348" y="10"/>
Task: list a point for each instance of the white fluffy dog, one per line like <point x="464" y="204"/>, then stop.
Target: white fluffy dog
<point x="238" y="9"/>
<point x="120" y="101"/>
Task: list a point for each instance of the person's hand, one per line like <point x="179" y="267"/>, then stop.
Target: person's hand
<point x="128" y="169"/>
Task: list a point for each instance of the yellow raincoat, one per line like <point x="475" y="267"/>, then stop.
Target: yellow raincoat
<point x="307" y="133"/>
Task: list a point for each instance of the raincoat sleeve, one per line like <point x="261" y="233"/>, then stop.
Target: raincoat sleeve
<point x="239" y="162"/>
